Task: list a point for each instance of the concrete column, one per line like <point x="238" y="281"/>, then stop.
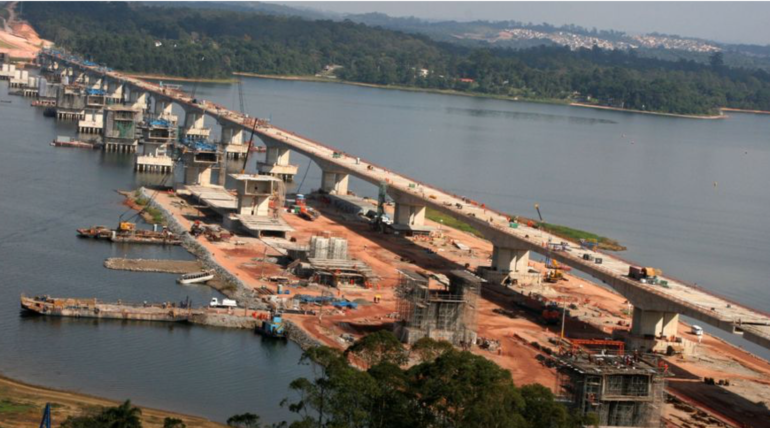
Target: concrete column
<point x="654" y="323"/>
<point x="194" y="125"/>
<point x="277" y="156"/>
<point x="95" y="83"/>
<point x="138" y="99"/>
<point x="114" y="91"/>
<point x="409" y="215"/>
<point x="197" y="175"/>
<point x="335" y="183"/>
<point x="510" y="260"/>
<point x="232" y="141"/>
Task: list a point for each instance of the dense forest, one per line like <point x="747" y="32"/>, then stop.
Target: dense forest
<point x="213" y="43"/>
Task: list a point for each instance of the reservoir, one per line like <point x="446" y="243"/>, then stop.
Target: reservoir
<point x="687" y="196"/>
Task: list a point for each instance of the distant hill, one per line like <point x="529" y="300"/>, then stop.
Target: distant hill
<point x="203" y="42"/>
<point x="519" y="35"/>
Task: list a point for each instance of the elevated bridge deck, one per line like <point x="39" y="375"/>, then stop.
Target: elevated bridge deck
<point x="677" y="298"/>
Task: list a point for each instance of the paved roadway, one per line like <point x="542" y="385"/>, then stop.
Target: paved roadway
<point x="679" y="297"/>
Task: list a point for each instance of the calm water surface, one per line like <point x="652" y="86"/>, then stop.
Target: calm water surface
<point x="687" y="196"/>
<point x="45" y="194"/>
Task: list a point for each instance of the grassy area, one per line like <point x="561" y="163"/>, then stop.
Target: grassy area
<point x="452" y="222"/>
<point x="8" y="406"/>
<point x="153" y="215"/>
<point x="576" y="235"/>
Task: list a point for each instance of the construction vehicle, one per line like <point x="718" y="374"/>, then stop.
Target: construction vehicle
<point x="308" y="213"/>
<point x="553" y="276"/>
<point x="125" y="226"/>
<point x="552" y="314"/>
<point x="225" y="303"/>
<point x="645" y="275"/>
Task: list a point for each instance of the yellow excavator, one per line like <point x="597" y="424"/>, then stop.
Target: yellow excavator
<point x="125" y="226"/>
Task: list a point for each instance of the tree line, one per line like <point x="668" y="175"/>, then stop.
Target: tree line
<point x="444" y="388"/>
<point x="215" y="43"/>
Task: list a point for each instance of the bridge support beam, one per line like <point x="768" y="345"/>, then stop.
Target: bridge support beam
<point x="276" y="162"/>
<point x="114" y="90"/>
<point x="163" y="109"/>
<point x="95" y="83"/>
<point x="510" y="260"/>
<point x="138" y="99"/>
<point x="232" y="141"/>
<point x="194" y="127"/>
<point x="335" y="183"/>
<point x="409" y="213"/>
<point x="654" y="323"/>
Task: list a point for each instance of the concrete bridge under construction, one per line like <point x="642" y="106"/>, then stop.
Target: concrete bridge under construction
<point x="656" y="308"/>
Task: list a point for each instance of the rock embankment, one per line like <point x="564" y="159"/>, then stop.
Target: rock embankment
<point x="226" y="320"/>
<point x="153" y="265"/>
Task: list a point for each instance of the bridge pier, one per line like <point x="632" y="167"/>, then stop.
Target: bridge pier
<point x="333" y="182"/>
<point x="232" y="141"/>
<point x="114" y="91"/>
<point x="276" y="162"/>
<point x="197" y="169"/>
<point x="654" y="323"/>
<point x="163" y="110"/>
<point x="194" y="127"/>
<point x="409" y="213"/>
<point x="138" y="99"/>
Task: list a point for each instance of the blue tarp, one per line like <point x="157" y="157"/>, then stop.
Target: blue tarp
<point x="160" y="122"/>
<point x="95" y="92"/>
<point x="198" y="145"/>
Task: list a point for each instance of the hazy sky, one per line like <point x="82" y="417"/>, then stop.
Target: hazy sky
<point x="733" y="22"/>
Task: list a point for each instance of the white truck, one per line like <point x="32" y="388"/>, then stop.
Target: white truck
<point x="225" y="303"/>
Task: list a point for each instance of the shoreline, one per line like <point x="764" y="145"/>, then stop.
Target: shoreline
<point x="495" y="97"/>
<point x="149" y="76"/>
<point x="71" y="403"/>
<point x="676" y="115"/>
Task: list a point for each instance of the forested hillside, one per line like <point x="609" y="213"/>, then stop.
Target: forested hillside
<point x="213" y="43"/>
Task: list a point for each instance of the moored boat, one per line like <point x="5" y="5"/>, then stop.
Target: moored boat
<point x="68" y="142"/>
<point x="196" y="277"/>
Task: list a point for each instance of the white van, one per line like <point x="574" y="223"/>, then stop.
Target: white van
<point x="697" y="330"/>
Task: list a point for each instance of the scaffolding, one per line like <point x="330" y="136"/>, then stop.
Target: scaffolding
<point x="622" y="390"/>
<point x="442" y="313"/>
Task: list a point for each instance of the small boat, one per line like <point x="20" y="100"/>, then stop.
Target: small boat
<point x="258" y="149"/>
<point x="68" y="142"/>
<point x="196" y="277"/>
<point x="273" y="327"/>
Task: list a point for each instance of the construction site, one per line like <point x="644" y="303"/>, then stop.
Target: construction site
<point x="442" y="312"/>
<point x="619" y="389"/>
<point x="338" y="266"/>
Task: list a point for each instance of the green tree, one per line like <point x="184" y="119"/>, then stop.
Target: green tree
<point x="379" y="347"/>
<point x="427" y="349"/>
<point x="173" y="423"/>
<point x="462" y="389"/>
<point x="122" y="416"/>
<point x="244" y="420"/>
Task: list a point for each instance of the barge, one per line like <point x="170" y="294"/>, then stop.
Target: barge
<point x="92" y="308"/>
<point x="68" y="142"/>
<point x="128" y="233"/>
